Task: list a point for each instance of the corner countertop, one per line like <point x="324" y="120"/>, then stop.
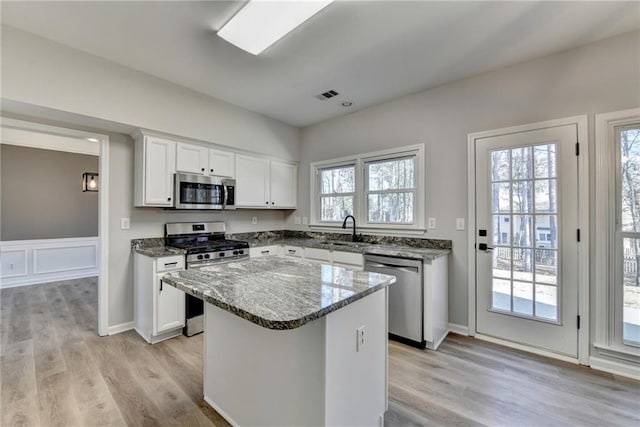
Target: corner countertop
<point x="278" y="293"/>
<point x="397" y="251"/>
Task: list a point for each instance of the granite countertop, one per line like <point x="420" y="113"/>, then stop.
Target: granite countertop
<point x="278" y="293"/>
<point x="160" y="251"/>
<point x="397" y="251"/>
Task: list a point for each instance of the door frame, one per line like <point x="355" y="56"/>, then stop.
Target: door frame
<point x="31" y="128"/>
<point x="581" y="123"/>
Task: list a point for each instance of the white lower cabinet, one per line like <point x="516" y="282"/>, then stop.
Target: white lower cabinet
<point x="316" y="254"/>
<point x="264" y="251"/>
<point x="293" y="251"/>
<point x="159" y="308"/>
<point x="348" y="259"/>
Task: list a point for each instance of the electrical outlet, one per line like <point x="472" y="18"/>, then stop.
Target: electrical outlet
<point x="304" y="220"/>
<point x="431" y="223"/>
<point x="459" y="223"/>
<point x="124" y="224"/>
<point x="254" y="220"/>
<point x="296" y="220"/>
<point x="359" y="338"/>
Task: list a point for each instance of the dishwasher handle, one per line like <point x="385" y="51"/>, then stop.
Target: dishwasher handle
<point x="395" y="267"/>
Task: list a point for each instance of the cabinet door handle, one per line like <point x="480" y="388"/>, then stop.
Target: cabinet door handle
<point x="292" y="251"/>
<point x="169" y="264"/>
<point x="168" y="199"/>
<point x="265" y="252"/>
<point x="211" y="170"/>
<point x="202" y="169"/>
<point x="267" y="203"/>
<point x="273" y="203"/>
<point x="160" y="285"/>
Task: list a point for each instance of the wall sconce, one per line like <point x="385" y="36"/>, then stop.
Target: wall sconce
<point x="90" y="181"/>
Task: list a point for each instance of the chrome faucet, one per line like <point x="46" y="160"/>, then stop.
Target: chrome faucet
<point x="354" y="237"/>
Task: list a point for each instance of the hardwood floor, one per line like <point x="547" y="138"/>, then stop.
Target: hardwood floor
<point x="56" y="371"/>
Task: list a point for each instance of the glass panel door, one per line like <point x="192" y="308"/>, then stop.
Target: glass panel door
<point x="524" y="200"/>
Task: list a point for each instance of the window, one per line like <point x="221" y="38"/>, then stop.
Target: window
<point x="390" y="190"/>
<point x="337" y="192"/>
<point x="627" y="234"/>
<point x="381" y="190"/>
<point x="617" y="251"/>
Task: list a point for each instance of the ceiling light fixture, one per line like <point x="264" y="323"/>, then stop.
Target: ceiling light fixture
<point x="261" y="23"/>
<point x="347" y="104"/>
<point x="93" y="140"/>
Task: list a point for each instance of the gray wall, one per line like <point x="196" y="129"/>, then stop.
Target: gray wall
<point x="42" y="196"/>
<point x="596" y="78"/>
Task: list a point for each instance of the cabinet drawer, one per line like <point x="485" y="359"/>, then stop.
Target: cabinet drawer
<point x="316" y="254"/>
<point x="263" y="251"/>
<point x="350" y="258"/>
<point x="170" y="263"/>
<point x="294" y="251"/>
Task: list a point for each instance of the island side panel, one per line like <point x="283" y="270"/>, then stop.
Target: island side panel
<point x="259" y="376"/>
<point x="356" y="379"/>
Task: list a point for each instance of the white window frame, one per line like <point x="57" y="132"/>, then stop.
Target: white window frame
<point x="360" y="201"/>
<point x="608" y="334"/>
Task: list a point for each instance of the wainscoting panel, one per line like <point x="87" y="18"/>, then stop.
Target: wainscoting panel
<point x="14" y="263"/>
<point x="28" y="262"/>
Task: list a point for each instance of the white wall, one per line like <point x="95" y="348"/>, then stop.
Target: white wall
<point x="46" y="79"/>
<point x="44" y="73"/>
<point x="593" y="79"/>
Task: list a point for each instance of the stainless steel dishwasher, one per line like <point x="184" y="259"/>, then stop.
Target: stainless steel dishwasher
<point x="406" y="297"/>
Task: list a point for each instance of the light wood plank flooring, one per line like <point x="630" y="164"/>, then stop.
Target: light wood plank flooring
<point x="55" y="371"/>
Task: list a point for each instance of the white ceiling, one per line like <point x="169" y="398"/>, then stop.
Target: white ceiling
<point x="368" y="51"/>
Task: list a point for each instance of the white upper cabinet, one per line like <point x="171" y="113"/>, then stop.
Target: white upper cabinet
<point x="155" y="166"/>
<point x="284" y="189"/>
<point x="196" y="159"/>
<point x="192" y="158"/>
<point x="263" y="183"/>
<point x="252" y="181"/>
<point x="222" y="163"/>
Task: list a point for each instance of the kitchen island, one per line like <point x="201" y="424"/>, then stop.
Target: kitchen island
<point x="291" y="342"/>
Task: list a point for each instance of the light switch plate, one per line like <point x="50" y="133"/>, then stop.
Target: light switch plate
<point x="254" y="220"/>
<point x="459" y="223"/>
<point x="124" y="224"/>
<point x="431" y="223"/>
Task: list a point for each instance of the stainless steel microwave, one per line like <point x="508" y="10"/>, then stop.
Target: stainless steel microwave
<point x="203" y="192"/>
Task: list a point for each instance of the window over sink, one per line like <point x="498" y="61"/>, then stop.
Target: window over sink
<point x="382" y="190"/>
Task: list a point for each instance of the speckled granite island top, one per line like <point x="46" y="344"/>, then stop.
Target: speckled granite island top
<point x="278" y="293"/>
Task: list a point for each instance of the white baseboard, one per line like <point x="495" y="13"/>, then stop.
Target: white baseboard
<point x="458" y="329"/>
<point x="50" y="279"/>
<point x="122" y="327"/>
<point x="220" y="411"/>
<point x="528" y="349"/>
<point x="629" y="370"/>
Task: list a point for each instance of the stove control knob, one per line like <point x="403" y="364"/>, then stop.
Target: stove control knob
<point x="240" y="252"/>
<point x="206" y="256"/>
<point x="235" y="252"/>
<point x="221" y="254"/>
<point x="199" y="256"/>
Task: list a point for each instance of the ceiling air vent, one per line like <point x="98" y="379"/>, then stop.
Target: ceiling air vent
<point x="327" y="95"/>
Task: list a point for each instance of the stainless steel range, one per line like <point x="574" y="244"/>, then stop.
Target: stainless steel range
<point x="205" y="245"/>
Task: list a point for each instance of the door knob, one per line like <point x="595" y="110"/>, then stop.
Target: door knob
<point x="484" y="247"/>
